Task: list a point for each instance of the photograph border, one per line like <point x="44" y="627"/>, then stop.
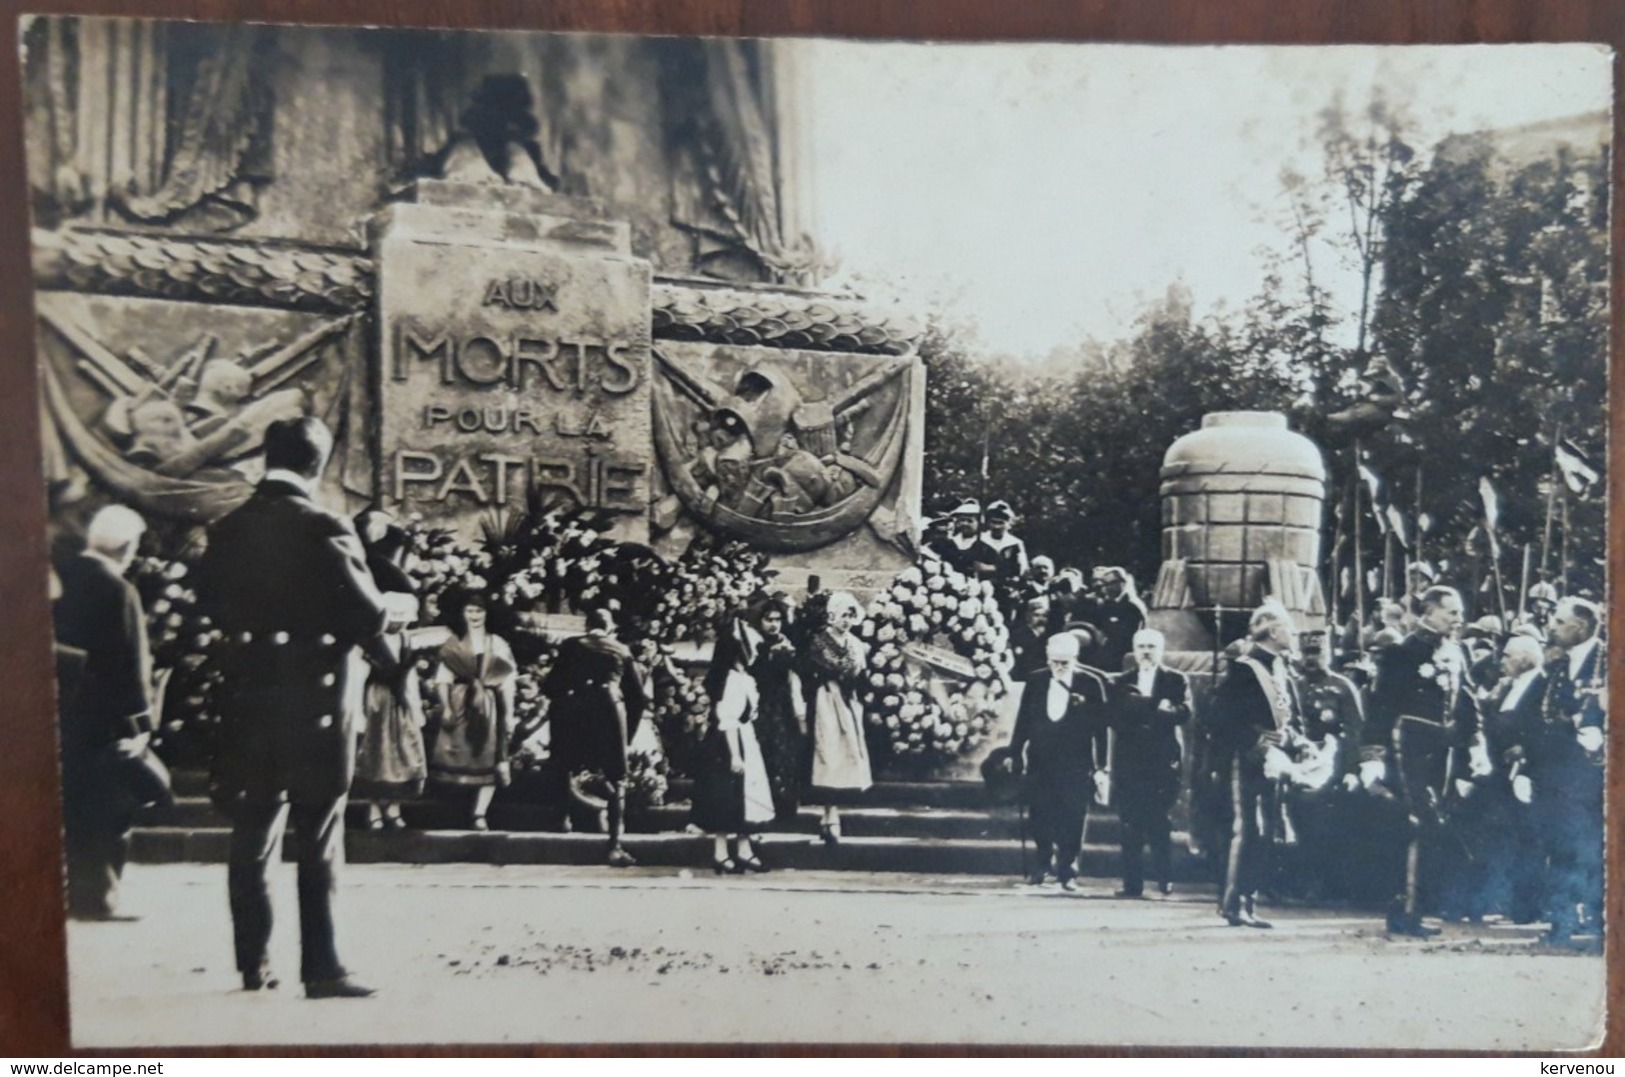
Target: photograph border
<point x="34" y="1014"/>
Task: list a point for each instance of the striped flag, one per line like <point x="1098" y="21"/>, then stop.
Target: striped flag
<point x="1578" y="471"/>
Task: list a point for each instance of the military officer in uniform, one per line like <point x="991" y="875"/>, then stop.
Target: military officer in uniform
<point x="286" y="583"/>
<point x="1424" y="707"/>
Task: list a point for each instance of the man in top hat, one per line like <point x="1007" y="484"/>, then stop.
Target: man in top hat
<point x="964" y="548"/>
<point x="1151" y="705"/>
<point x="1059" y="743"/>
<point x="286" y="582"/>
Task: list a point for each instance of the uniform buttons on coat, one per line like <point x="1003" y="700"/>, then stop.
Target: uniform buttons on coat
<point x="328" y="680"/>
<point x="328" y="639"/>
<point x="324" y="721"/>
<point x="279" y="638"/>
<point x="248" y="637"/>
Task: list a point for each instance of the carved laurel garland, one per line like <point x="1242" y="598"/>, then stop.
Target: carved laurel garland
<point x="328" y="280"/>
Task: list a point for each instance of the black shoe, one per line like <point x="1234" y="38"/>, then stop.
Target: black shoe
<point x="1408" y="926"/>
<point x="751" y="864"/>
<point x="104" y="916"/>
<point x="1129" y="894"/>
<point x="261" y="979"/>
<point x="1069" y="884"/>
<point x="830" y="835"/>
<point x="1037" y="878"/>
<point x="619" y="858"/>
<point x="725" y="866"/>
<point x="343" y="987"/>
<point x="1165" y="889"/>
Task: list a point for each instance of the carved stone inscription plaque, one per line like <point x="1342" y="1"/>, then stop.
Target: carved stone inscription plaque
<point x="512" y="356"/>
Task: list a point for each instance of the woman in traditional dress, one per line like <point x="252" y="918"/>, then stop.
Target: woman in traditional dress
<point x="731" y="793"/>
<point x="475" y="685"/>
<point x="391" y="764"/>
<point x="836" y="661"/>
<point x="781" y="719"/>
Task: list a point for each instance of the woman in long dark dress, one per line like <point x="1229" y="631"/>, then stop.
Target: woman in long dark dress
<point x="596" y="698"/>
<point x="731" y="793"/>
<point x="781" y="718"/>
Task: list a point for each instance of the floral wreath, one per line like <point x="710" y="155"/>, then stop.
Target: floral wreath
<point x="907" y="704"/>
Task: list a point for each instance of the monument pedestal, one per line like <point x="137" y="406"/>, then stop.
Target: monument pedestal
<point x="513" y="354"/>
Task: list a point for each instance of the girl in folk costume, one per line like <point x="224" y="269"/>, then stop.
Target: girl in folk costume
<point x="836" y="661"/>
<point x="475" y="685"/>
<point x="391" y="764"/>
<point x="731" y="794"/>
<point x="781" y="721"/>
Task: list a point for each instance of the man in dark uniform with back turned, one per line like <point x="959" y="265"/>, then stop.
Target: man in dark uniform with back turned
<point x="286" y="583"/>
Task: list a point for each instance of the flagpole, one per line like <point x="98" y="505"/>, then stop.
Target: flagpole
<point x="1563" y="562"/>
<point x="1359" y="566"/>
<point x="1418" y="551"/>
<point x="1495" y="565"/>
<point x="1523" y="586"/>
<point x="1551" y="499"/>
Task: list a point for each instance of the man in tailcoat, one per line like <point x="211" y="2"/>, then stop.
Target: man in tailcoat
<point x="1504" y="832"/>
<point x="1059" y="744"/>
<point x="1424" y="709"/>
<point x="106" y="713"/>
<point x="1151" y="704"/>
<point x="1255" y="708"/>
<point x="287" y="585"/>
<point x="596" y="698"/>
<point x="1566" y="768"/>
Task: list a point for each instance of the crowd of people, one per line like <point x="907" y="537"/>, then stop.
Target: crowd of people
<point x="1460" y="762"/>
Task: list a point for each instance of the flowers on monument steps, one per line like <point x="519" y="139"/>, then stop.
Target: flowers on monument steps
<point x="933" y="604"/>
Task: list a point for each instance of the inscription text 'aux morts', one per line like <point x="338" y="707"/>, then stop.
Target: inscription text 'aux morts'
<point x="520" y="360"/>
<point x="522" y="293"/>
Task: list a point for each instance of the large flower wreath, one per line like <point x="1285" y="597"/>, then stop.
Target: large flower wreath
<point x="916" y="709"/>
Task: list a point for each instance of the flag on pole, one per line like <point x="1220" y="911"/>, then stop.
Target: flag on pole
<point x="1396" y="520"/>
<point x="1492" y="513"/>
<point x="1372" y="483"/>
<point x="1578" y="471"/>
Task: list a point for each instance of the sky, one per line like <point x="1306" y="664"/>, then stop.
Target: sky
<point x="1047" y="192"/>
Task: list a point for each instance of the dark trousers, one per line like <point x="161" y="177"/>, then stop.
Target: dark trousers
<point x="1249" y="797"/>
<point x="1422" y="758"/>
<point x="318" y="837"/>
<point x="1144" y="815"/>
<point x="96" y="842"/>
<point x="1571" y="836"/>
<point x="1059" y="809"/>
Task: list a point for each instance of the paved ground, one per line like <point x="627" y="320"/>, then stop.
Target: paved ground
<point x="476" y="954"/>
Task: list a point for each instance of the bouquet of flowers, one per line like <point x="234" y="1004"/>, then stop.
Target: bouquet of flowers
<point x="182" y="641"/>
<point x="911" y="708"/>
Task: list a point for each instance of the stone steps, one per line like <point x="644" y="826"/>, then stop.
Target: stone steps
<point x="941" y="827"/>
<point x="941" y="824"/>
<point x="669" y="850"/>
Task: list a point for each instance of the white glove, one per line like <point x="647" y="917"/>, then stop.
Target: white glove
<point x="1523" y="789"/>
<point x="1103" y="787"/>
<point x="1590" y="738"/>
<point x="1478" y="760"/>
<point x="1372" y="771"/>
<point x="1463" y="787"/>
